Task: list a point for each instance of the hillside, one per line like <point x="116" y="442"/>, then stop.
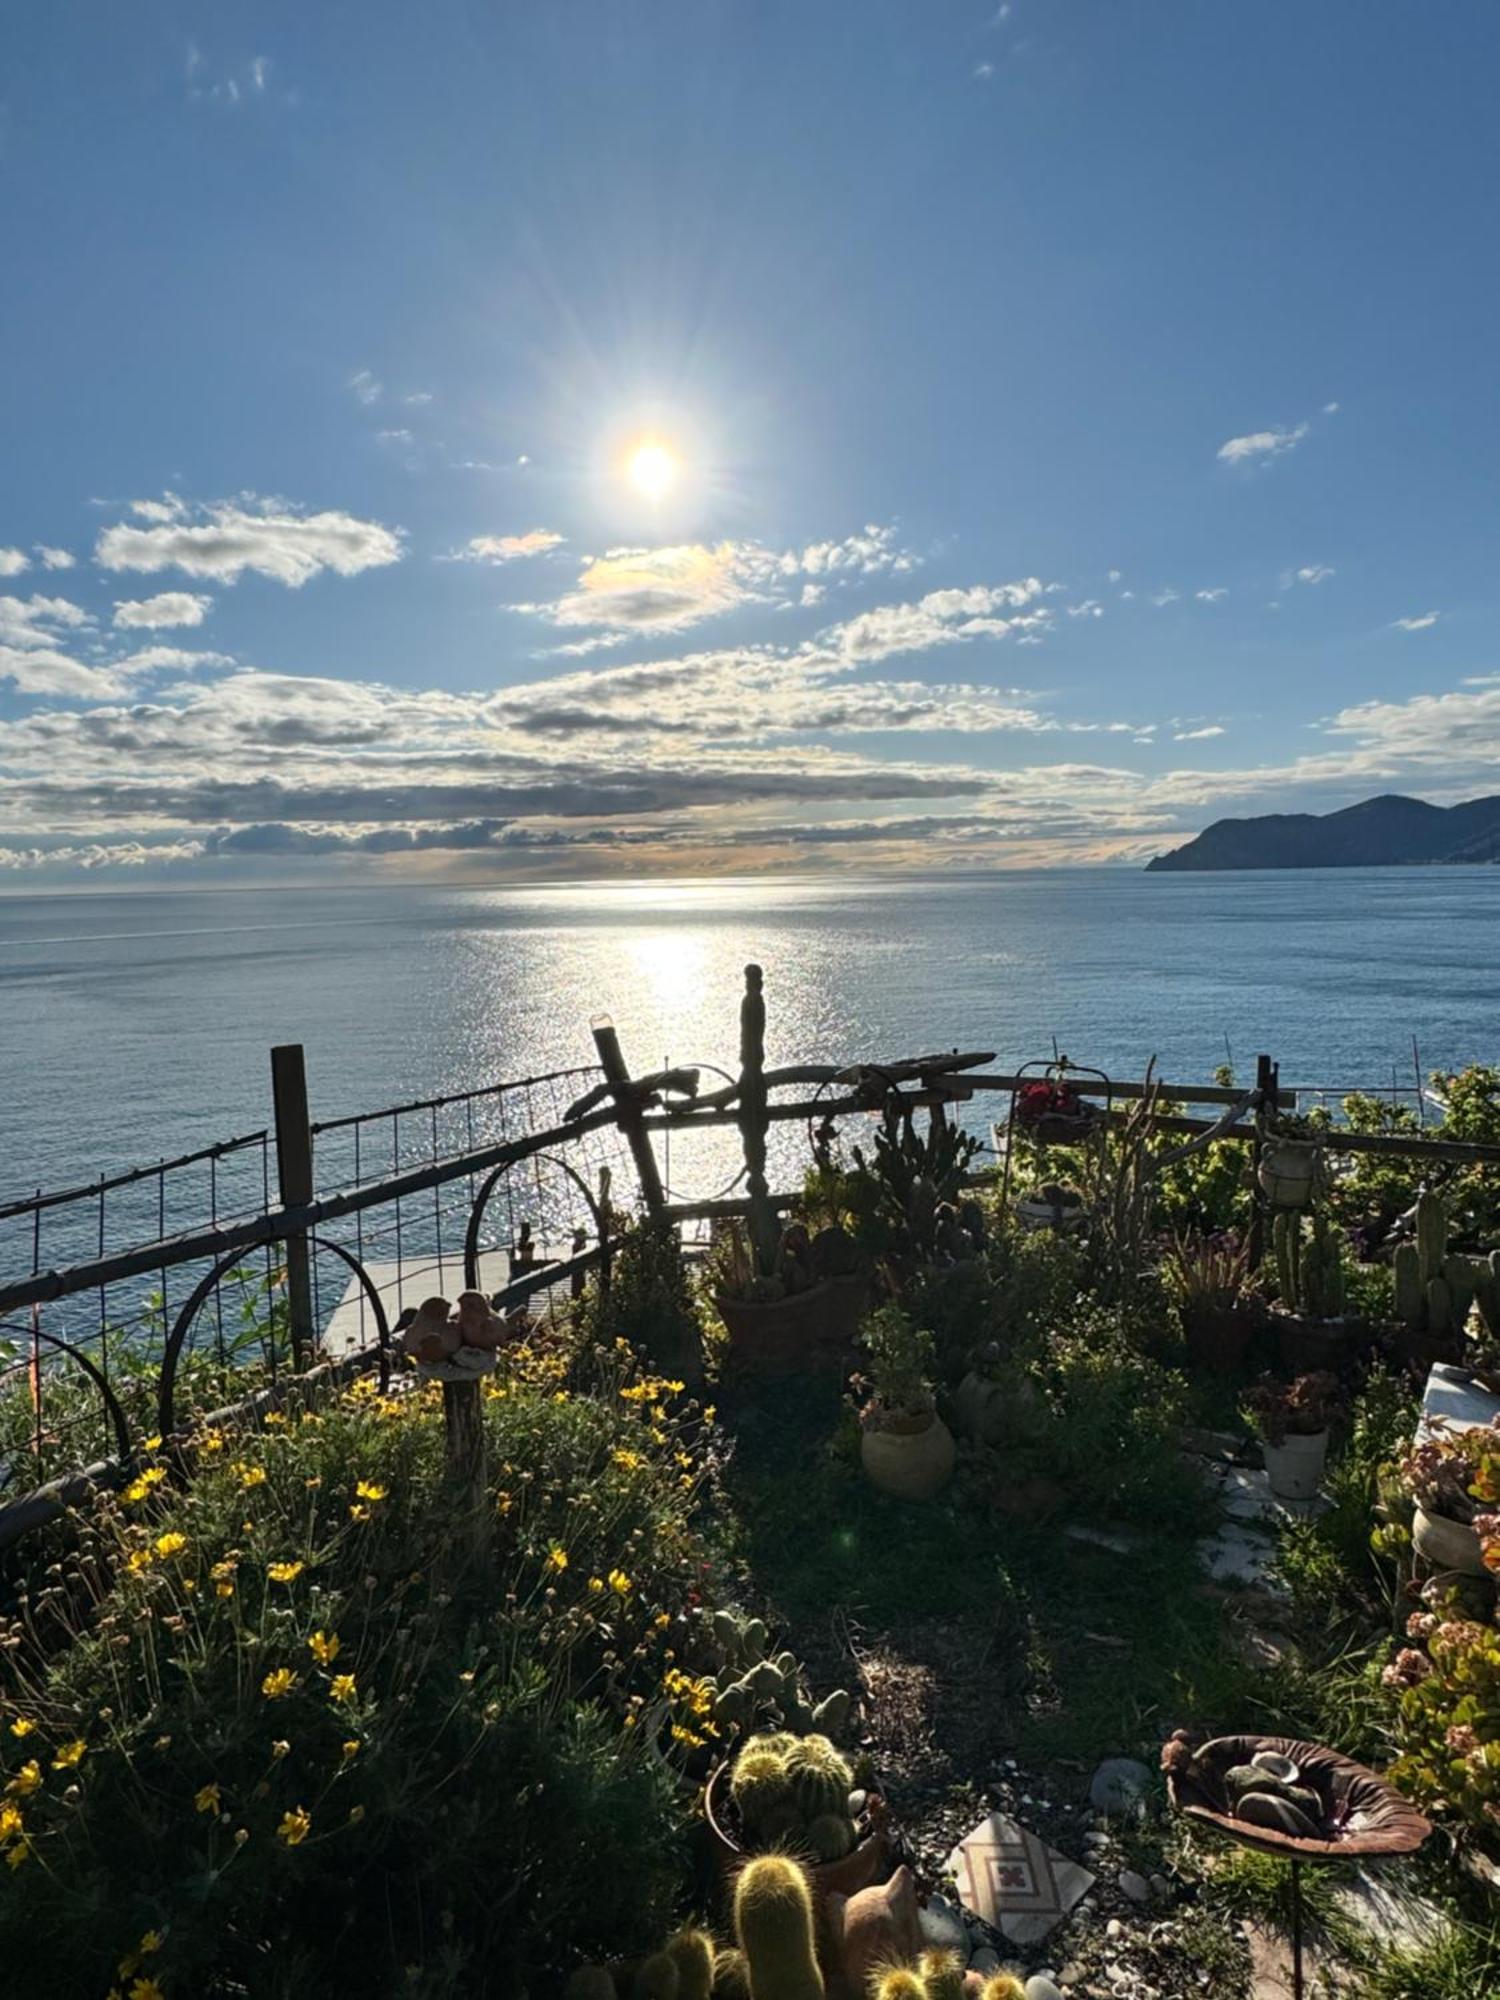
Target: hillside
<point x="1386" y="832"/>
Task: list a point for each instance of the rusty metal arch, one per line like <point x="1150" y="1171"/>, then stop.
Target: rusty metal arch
<point x="112" y="1405"/>
<point x="171" y="1353"/>
<point x="487" y="1188"/>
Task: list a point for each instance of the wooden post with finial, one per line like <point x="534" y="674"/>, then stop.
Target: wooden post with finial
<point x="765" y="1233"/>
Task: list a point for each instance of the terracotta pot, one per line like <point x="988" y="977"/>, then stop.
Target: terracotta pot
<point x="1295" y="1466"/>
<point x="909" y="1457"/>
<point x="1447" y="1544"/>
<point x="1217" y="1337"/>
<point x="1288" y="1172"/>
<point x="814" y="1329"/>
<point x="851" y="1872"/>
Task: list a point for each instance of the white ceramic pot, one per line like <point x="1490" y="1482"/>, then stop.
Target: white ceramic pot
<point x="1287" y="1171"/>
<point x="1447" y="1544"/>
<point x="1295" y="1466"/>
<point x="913" y="1460"/>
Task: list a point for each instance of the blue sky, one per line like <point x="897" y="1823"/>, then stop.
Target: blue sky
<point x="1073" y="421"/>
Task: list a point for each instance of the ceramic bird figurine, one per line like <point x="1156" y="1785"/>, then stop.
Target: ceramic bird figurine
<point x="432" y="1336"/>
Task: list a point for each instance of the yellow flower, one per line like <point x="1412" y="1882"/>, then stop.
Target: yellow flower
<point x="280" y="1681"/>
<point x="146" y="1989"/>
<point x="503" y="1503"/>
<point x="279" y="1750"/>
<point x="249" y="1475"/>
<point x="137" y="1560"/>
<point x="150" y="1943"/>
<point x="596" y="1586"/>
<point x="26" y="1779"/>
<point x="295" y="1826"/>
<point x="359" y="1513"/>
<point x="17" y="1852"/>
<point x="341" y="1687"/>
<point x="69" y="1755"/>
<point x="11" y="1822"/>
<point x="557" y="1560"/>
<point x="285" y="1572"/>
<point x="663" y="1620"/>
<point x="368" y="1489"/>
<point x="153" y="1443"/>
<point x="211" y="1441"/>
<point x="140" y="1487"/>
<point x="710" y="1411"/>
<point x="223" y="1589"/>
<point x="22" y="1726"/>
<point x="627" y="1461"/>
<point x="206" y="1798"/>
<point x="171" y="1543"/>
<point x="356" y="1814"/>
<point x="351" y="1748"/>
<point x="324" y="1647"/>
<point x="273" y="1417"/>
<point x="620" y="1583"/>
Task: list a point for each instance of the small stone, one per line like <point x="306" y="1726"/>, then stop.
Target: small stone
<point x="1160" y="1886"/>
<point x="943" y="1926"/>
<point x="1070" y="1975"/>
<point x="985" y="1960"/>
<point x="856" y="1804"/>
<point x="1114" y="1928"/>
<point x="1136" y="1887"/>
<point x="1040" y="1987"/>
<point x="1119" y="1787"/>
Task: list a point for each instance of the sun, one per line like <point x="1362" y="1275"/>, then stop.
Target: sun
<point x="652" y="469"/>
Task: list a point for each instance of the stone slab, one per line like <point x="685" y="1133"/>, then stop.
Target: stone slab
<point x="1242" y="1558"/>
<point x="1014" y="1881"/>
<point x="1452" y="1399"/>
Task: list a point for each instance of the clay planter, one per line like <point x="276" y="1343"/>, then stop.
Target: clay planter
<point x="1216" y="1338"/>
<point x="908" y="1457"/>
<point x="1447" y="1545"/>
<point x="1288" y="1171"/>
<point x="814" y="1329"/>
<point x="1295" y="1466"/>
<point x="1365" y="1816"/>
<point x="862" y="1865"/>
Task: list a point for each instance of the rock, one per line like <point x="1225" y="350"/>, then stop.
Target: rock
<point x="857" y="1802"/>
<point x="985" y="1961"/>
<point x="1040" y="1987"/>
<point x="1160" y="1886"/>
<point x="1114" y="1928"/>
<point x="1136" y="1887"/>
<point x="1071" y="1975"/>
<point x="943" y="1927"/>
<point x="1119" y="1787"/>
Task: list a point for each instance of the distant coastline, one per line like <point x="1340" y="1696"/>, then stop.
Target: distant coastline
<point x="1386" y="832"/>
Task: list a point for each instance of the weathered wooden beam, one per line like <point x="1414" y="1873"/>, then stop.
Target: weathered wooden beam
<point x="627" y="1111"/>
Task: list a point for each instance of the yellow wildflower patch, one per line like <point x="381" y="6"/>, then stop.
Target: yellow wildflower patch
<point x="620" y="1583"/>
<point x="171" y="1543"/>
<point x="370" y="1489"/>
<point x="11" y="1822"/>
<point x="249" y="1475"/>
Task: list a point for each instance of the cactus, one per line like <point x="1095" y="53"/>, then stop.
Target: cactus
<point x="830" y="1837"/>
<point x="1286" y="1243"/>
<point x="1487" y="1294"/>
<point x="1432" y="1234"/>
<point x="773" y="1920"/>
<point x="692" y="1953"/>
<point x="731" y="1976"/>
<point x="900" y="1983"/>
<point x="656" y="1979"/>
<point x="1003" y="1986"/>
<point x="942" y="1975"/>
<point x="821" y="1780"/>
<point x="794" y="1789"/>
<point x="1461" y="1276"/>
<point x="1411" y="1293"/>
<point x="1309" y="1266"/>
<point x="831" y="1716"/>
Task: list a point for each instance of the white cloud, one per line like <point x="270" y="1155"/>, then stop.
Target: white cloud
<point x="366" y="387"/>
<point x="1263" y="445"/>
<point x="40" y="668"/>
<point x="1311" y="573"/>
<point x="1114" y="575"/>
<point x="168" y="508"/>
<point x="286" y="546"/>
<point x="983" y="72"/>
<point x="1423" y="623"/>
<point x="1330" y="409"/>
<point x="1211" y="596"/>
<point x="508" y="548"/>
<point x="1198" y="735"/>
<point x="13" y="561"/>
<point x="941" y="618"/>
<point x="393" y="437"/>
<point x="1090" y="608"/>
<point x="1164" y="597"/>
<point x="37" y="621"/>
<point x="260" y="70"/>
<point x="418" y="399"/>
<point x="56" y="558"/>
<point x="170" y="607"/>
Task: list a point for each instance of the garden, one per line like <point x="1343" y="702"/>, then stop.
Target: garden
<point x="858" y="1603"/>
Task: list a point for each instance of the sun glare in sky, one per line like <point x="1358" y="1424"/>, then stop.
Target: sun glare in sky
<point x="652" y="469"/>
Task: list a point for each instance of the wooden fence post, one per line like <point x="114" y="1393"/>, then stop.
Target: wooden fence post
<point x="467" y="1467"/>
<point x="765" y="1231"/>
<point x="628" y="1108"/>
<point x="1267" y="1082"/>
<point x="294" y="1177"/>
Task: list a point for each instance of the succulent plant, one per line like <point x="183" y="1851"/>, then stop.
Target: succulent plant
<point x="794" y="1790"/>
<point x="773" y="1920"/>
<point x="1435" y="1287"/>
<point x="942" y="1975"/>
<point x="655" y="1979"/>
<point x="901" y="1983"/>
<point x="1309" y="1265"/>
<point x="751" y="1684"/>
<point x="1003" y="1986"/>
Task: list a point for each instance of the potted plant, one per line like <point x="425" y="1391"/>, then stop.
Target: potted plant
<point x="1290" y="1171"/>
<point x="1310" y="1281"/>
<point x="1454" y="1480"/>
<point x="905" y="1447"/>
<point x="1209" y="1279"/>
<point x="1291" y="1419"/>
<point x="784" y="1792"/>
<point x="1050" y="1111"/>
<point x="1051" y="1205"/>
<point x="801" y="1312"/>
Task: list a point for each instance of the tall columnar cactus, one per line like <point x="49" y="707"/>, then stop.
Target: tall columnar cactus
<point x="1309" y="1265"/>
<point x="773" y="1920"/>
<point x="692" y="1954"/>
<point x="1435" y="1287"/>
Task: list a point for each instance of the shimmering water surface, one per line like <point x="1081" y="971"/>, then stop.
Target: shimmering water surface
<point x="133" y="1025"/>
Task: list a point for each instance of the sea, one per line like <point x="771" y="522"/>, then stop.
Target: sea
<point x="138" y="1025"/>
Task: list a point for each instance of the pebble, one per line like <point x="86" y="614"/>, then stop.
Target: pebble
<point x="985" y="1960"/>
<point x="1119" y="1787"/>
<point x="1136" y="1887"/>
<point x="1040" y="1987"/>
<point x="1114" y="1928"/>
<point x="1160" y="1886"/>
<point x="856" y="1804"/>
<point x="943" y="1926"/>
<point x="1070" y="1975"/>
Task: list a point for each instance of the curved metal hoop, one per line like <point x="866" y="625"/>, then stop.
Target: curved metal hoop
<point x="171" y="1353"/>
<point x="96" y="1374"/>
<point x="487" y="1188"/>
